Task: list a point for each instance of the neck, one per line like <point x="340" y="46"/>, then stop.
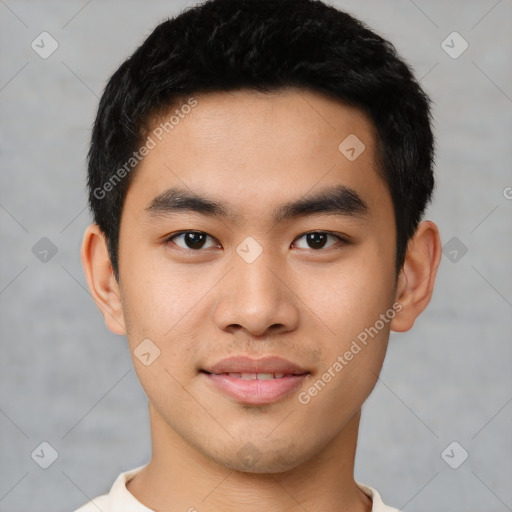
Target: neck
<point x="179" y="477"/>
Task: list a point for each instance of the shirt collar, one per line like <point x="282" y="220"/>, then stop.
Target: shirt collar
<point x="122" y="500"/>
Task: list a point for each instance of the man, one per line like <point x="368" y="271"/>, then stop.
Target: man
<point x="258" y="173"/>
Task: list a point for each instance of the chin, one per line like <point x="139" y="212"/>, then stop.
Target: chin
<point x="252" y="458"/>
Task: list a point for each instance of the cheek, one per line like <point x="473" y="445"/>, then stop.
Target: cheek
<point x="157" y="295"/>
<point x="166" y="304"/>
<point x="162" y="307"/>
<point x="349" y="296"/>
<point x="350" y="302"/>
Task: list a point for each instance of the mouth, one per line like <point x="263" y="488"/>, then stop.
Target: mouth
<point x="255" y="381"/>
<point x="254" y="376"/>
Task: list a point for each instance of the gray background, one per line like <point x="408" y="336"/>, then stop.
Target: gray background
<point x="67" y="380"/>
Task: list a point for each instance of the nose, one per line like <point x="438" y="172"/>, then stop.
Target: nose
<point x="255" y="297"/>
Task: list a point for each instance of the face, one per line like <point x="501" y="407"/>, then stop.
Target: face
<point x="253" y="246"/>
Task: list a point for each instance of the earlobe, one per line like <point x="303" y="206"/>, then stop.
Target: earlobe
<point x="417" y="277"/>
<point x="101" y="280"/>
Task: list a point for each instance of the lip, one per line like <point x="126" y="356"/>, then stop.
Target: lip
<point x="267" y="364"/>
<point x="253" y="391"/>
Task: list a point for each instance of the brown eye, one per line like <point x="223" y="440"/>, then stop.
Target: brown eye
<point x="318" y="240"/>
<point x="194" y="240"/>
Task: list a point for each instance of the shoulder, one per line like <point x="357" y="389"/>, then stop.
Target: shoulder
<point x="118" y="499"/>
<point x="99" y="503"/>
<point x="378" y="505"/>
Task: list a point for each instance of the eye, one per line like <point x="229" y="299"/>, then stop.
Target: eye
<point x="318" y="240"/>
<point x="194" y="240"/>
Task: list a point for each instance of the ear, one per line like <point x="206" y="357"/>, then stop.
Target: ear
<point x="101" y="280"/>
<point x="417" y="276"/>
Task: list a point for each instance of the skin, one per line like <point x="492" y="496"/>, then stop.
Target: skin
<point x="254" y="152"/>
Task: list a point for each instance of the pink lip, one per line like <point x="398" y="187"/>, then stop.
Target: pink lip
<point x="254" y="391"/>
<point x="244" y="364"/>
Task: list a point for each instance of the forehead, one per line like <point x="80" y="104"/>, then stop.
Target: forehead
<point x="255" y="150"/>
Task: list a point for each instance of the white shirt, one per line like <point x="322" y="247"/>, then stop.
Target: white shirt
<point x="119" y="499"/>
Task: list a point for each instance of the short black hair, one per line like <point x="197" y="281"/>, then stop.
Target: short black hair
<point x="268" y="46"/>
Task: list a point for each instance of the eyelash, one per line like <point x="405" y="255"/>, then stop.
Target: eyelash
<point x="343" y="240"/>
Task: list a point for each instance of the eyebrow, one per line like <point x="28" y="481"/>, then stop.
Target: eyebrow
<point x="338" y="200"/>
